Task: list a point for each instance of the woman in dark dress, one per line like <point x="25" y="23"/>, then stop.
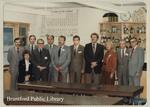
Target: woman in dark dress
<point x="25" y="68"/>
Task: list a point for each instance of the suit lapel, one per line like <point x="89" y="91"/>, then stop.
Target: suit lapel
<point x="15" y="53"/>
<point x="79" y="47"/>
<point x="135" y="51"/>
<point x="62" y="51"/>
<point x="96" y="49"/>
<point x="37" y="52"/>
<point x="133" y="54"/>
<point x="72" y="50"/>
<point x="94" y="54"/>
<point x="120" y="53"/>
<point x="24" y="64"/>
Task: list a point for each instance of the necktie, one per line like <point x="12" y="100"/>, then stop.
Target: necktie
<point x="132" y="52"/>
<point x="31" y="48"/>
<point x="40" y="52"/>
<point x="50" y="46"/>
<point x="74" y="51"/>
<point x="93" y="47"/>
<point x="59" y="51"/>
<point x="122" y="54"/>
<point x="18" y="55"/>
<point x="50" y="49"/>
<point x="18" y="50"/>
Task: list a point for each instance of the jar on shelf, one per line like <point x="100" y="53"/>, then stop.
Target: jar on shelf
<point x="110" y="17"/>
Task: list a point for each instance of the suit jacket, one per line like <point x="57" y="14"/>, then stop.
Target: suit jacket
<point x="77" y="60"/>
<point x="22" y="72"/>
<point x="63" y="60"/>
<point x="27" y="47"/>
<point x="13" y="58"/>
<point x="125" y="60"/>
<point x="90" y="57"/>
<point x="110" y="61"/>
<point x="50" y="51"/>
<point x="42" y="60"/>
<point x="136" y="61"/>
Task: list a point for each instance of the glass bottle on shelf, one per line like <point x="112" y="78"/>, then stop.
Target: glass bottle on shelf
<point x="143" y="29"/>
<point x="125" y="29"/>
<point x="131" y="30"/>
<point x="113" y="29"/>
<point x="137" y="30"/>
<point x="140" y="29"/>
<point x="139" y="40"/>
<point x="116" y="30"/>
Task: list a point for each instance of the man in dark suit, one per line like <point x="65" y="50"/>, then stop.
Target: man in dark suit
<point x="93" y="54"/>
<point x="31" y="46"/>
<point x="77" y="61"/>
<point x="51" y="47"/>
<point x="40" y="59"/>
<point x="14" y="56"/>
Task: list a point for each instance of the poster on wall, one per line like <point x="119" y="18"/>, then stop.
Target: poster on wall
<point x="61" y="22"/>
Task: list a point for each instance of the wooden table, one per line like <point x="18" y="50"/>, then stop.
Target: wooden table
<point x="34" y="98"/>
<point x="119" y="91"/>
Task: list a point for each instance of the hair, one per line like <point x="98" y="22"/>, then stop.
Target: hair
<point x="76" y="36"/>
<point x="25" y="52"/>
<point x="95" y="34"/>
<point x="50" y="36"/>
<point x="63" y="37"/>
<point x="110" y="43"/>
<point x="122" y="40"/>
<point x="32" y="36"/>
<point x="133" y="38"/>
<point x="16" y="39"/>
<point x="40" y="40"/>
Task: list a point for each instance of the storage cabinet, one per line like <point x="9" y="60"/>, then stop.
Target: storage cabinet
<point x="115" y="31"/>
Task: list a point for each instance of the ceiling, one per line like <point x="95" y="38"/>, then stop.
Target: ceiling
<point x="43" y="5"/>
<point x="113" y="5"/>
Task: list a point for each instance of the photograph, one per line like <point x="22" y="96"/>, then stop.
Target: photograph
<point x="74" y="52"/>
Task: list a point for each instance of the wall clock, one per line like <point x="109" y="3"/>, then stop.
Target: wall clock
<point x="125" y="16"/>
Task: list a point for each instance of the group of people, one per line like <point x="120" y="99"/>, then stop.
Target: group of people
<point x="53" y="63"/>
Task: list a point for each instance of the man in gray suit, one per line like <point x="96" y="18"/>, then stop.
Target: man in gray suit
<point x="77" y="61"/>
<point x="31" y="46"/>
<point x="50" y="46"/>
<point x="40" y="59"/>
<point x="60" y="60"/>
<point x="122" y="64"/>
<point x="14" y="56"/>
<point x="136" y="62"/>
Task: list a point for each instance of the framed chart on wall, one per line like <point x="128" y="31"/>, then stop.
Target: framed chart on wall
<point x="60" y="22"/>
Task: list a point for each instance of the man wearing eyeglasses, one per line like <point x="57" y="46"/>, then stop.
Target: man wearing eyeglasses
<point x="136" y="62"/>
<point x="40" y="59"/>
